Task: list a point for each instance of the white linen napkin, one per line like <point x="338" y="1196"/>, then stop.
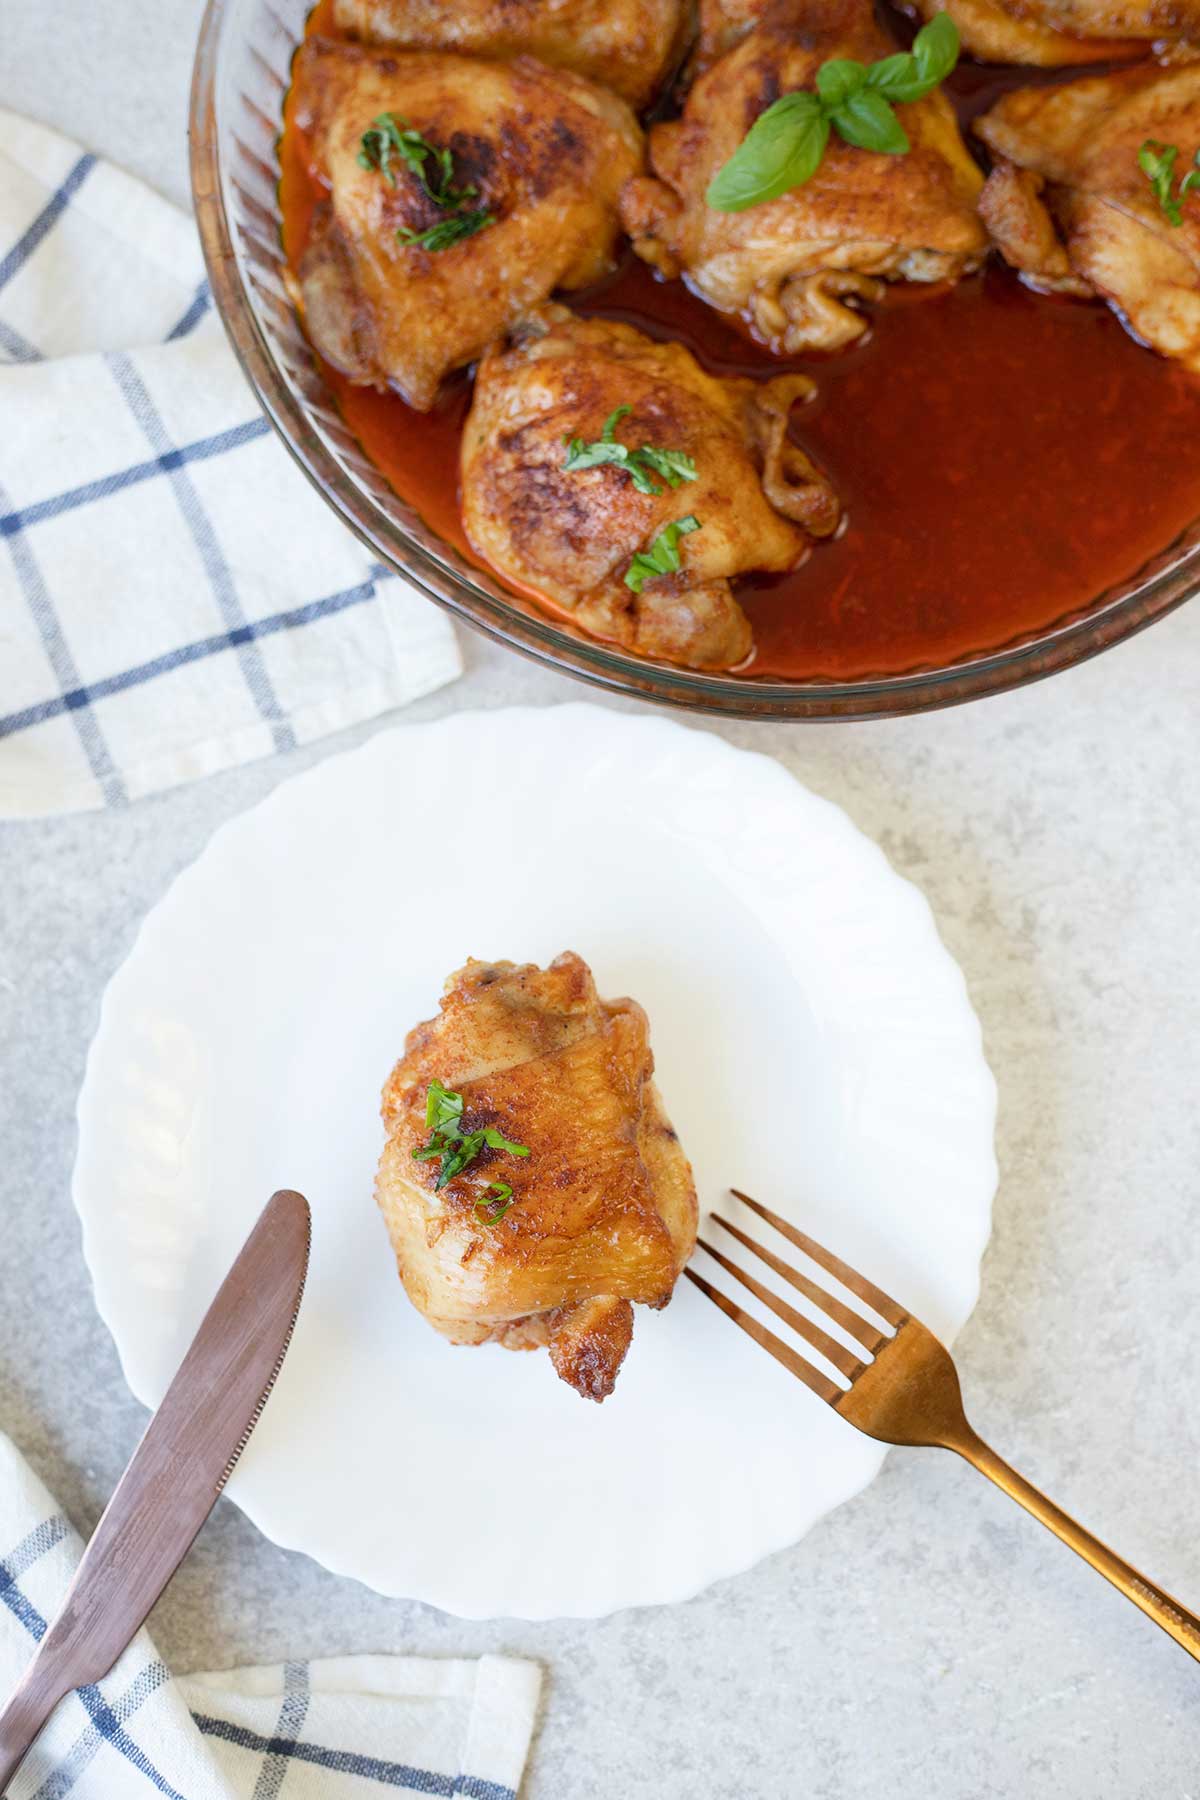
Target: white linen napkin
<point x="174" y="597"/>
<point x="348" y="1728"/>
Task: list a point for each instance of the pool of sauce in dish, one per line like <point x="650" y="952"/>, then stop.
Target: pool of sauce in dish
<point x="1002" y="457"/>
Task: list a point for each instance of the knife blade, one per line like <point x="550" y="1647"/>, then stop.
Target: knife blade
<point x="175" y="1475"/>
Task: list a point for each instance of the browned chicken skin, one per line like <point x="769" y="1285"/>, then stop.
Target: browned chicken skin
<point x="724" y="23"/>
<point x="603" y="1209"/>
<point x="569" y="535"/>
<point x="628" y="45"/>
<point x="548" y="153"/>
<point x="1069" y="206"/>
<point x="790" y="264"/>
<point x="1062" y="33"/>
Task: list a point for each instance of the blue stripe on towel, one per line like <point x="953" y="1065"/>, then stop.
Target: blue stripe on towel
<point x="37" y="597"/>
<point x="28" y="242"/>
<point x="187" y="653"/>
<point x="17" y="348"/>
<point x="108" y="1723"/>
<point x="201" y="301"/>
<point x="292" y="1715"/>
<point x="19" y="518"/>
<point x="108" y="1727"/>
<point x="347" y="1762"/>
<point x="204" y="536"/>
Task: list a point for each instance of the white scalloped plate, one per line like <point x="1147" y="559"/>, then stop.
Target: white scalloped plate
<point x="815" y="1045"/>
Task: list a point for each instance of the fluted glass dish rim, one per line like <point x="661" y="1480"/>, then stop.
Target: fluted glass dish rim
<point x="239" y="79"/>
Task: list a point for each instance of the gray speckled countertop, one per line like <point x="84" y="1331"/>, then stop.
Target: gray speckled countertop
<point x="928" y="1640"/>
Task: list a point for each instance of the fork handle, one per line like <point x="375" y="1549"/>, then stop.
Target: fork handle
<point x="1175" y="1619"/>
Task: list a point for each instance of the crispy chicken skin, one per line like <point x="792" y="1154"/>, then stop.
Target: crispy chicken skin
<point x="1065" y="33"/>
<point x="548" y="153"/>
<point x="789" y="265"/>
<point x="569" y="536"/>
<point x="603" y="1209"/>
<point x="724" y="23"/>
<point x="628" y="45"/>
<point x="1069" y="207"/>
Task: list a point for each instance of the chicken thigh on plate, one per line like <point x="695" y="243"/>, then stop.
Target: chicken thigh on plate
<point x="461" y="193"/>
<point x="629" y="45"/>
<point x="612" y="476"/>
<point x="575" y="1199"/>
<point x="1071" y="206"/>
<point x="790" y="264"/>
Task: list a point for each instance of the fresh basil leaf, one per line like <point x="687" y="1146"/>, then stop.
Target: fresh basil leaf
<point x="456" y="1148"/>
<point x="490" y="1210"/>
<point x="390" y="136"/>
<point x="935" y="49"/>
<point x="455" y="1160"/>
<point x="495" y="1140"/>
<point x="447" y="231"/>
<point x="893" y="76"/>
<point x="1157" y="163"/>
<point x="581" y="455"/>
<point x="674" y="467"/>
<point x="838" y="79"/>
<point x="867" y="120"/>
<point x="442" y="1105"/>
<point x="781" y="150"/>
<point x="662" y="558"/>
<point x="910" y="75"/>
<point x="784" y="146"/>
<point x="1156" y="160"/>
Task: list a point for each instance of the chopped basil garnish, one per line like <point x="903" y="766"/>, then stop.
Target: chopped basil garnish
<point x="662" y="558"/>
<point x="447" y="231"/>
<point x="673" y="465"/>
<point x="390" y="137"/>
<point x="488" y="1210"/>
<point x="1157" y="162"/>
<point x="455" y="1147"/>
<point x="390" y="140"/>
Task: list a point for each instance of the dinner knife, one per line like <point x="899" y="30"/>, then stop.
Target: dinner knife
<point x="176" y="1473"/>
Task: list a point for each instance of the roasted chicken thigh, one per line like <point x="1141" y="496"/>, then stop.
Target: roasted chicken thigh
<point x="601" y="1206"/>
<point x="747" y="495"/>
<point x="790" y="264"/>
<point x="1069" y="205"/>
<point x="628" y="45"/>
<point x="1061" y="33"/>
<point x="398" y="287"/>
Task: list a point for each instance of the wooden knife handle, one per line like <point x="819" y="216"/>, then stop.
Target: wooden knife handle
<point x="45" y="1682"/>
<point x="175" y="1474"/>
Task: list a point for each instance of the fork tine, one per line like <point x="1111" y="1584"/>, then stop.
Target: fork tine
<point x="866" y="1290"/>
<point x="836" y="1353"/>
<point x="821" y="1385"/>
<point x="870" y="1337"/>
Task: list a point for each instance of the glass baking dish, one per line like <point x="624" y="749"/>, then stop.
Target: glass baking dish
<point x="241" y="75"/>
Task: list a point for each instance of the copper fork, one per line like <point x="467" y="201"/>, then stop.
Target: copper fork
<point x="902" y="1388"/>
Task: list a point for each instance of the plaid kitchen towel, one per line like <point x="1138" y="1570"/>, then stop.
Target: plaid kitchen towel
<point x="174" y="598"/>
<point x="348" y="1728"/>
